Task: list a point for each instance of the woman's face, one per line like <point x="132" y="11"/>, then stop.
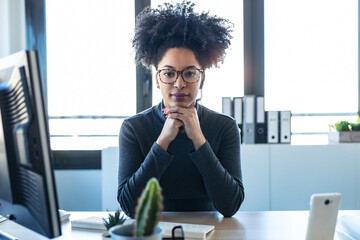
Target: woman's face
<point x="178" y="93"/>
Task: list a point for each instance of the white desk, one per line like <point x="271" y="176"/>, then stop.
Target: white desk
<point x="276" y="225"/>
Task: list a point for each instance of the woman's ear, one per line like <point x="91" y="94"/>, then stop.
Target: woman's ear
<point x="157" y="81"/>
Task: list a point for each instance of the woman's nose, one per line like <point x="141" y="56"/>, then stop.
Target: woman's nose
<point x="179" y="82"/>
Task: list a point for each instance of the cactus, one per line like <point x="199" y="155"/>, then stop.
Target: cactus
<point x="148" y="209"/>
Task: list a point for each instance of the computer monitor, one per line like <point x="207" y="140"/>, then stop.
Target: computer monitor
<point x="27" y="186"/>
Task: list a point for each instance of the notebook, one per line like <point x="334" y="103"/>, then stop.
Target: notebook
<point x="64" y="216"/>
<point x="2" y="219"/>
<point x="190" y="230"/>
<point x="92" y="222"/>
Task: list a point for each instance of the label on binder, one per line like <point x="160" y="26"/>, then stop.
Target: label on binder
<point x="285" y="126"/>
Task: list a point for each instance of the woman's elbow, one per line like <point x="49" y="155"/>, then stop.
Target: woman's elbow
<point x="125" y="206"/>
<point x="231" y="209"/>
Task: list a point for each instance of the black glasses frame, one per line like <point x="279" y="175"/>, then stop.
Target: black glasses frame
<point x="179" y="73"/>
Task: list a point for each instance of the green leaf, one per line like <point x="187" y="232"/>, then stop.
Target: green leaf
<point x="342" y="126"/>
<point x="114" y="220"/>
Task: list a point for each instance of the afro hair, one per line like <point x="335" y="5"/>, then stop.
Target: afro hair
<point x="177" y="25"/>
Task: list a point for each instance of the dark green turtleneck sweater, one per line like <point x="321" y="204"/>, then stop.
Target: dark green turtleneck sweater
<point x="204" y="180"/>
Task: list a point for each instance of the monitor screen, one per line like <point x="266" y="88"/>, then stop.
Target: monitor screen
<point x="27" y="186"/>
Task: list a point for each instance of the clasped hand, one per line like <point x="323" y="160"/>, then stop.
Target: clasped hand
<point x="181" y="119"/>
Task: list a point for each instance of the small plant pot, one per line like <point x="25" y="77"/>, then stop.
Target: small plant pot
<point x="125" y="232"/>
<point x="344" y="137"/>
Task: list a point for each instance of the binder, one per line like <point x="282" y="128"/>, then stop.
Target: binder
<point x="260" y="124"/>
<point x="227" y="107"/>
<point x="273" y="126"/>
<point x="249" y="119"/>
<point x="285" y="127"/>
<point x="238" y="113"/>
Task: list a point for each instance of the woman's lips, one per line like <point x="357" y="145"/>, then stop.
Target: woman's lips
<point x="179" y="96"/>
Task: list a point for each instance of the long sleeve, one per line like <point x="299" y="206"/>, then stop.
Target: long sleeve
<point x="207" y="179"/>
<point x="222" y="173"/>
<point x="135" y="168"/>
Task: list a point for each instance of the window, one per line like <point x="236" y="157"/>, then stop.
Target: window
<point x="12" y="27"/>
<point x="91" y="71"/>
<point x="311" y="63"/>
<point x="228" y="79"/>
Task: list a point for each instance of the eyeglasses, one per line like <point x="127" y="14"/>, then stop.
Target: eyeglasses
<point x="189" y="75"/>
<point x="177" y="233"/>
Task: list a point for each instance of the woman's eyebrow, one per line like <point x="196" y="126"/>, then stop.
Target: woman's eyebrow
<point x="169" y="66"/>
<point x="191" y="66"/>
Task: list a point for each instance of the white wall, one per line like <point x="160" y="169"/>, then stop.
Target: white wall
<point x="109" y="178"/>
<point x="299" y="171"/>
<point x="283" y="177"/>
<point x="12" y="26"/>
<point x="89" y="190"/>
<point x="79" y="190"/>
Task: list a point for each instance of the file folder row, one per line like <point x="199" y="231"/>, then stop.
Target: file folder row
<point x="256" y="124"/>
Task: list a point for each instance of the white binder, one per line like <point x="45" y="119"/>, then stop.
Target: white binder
<point x="273" y="126"/>
<point x="227" y="106"/>
<point x="238" y="111"/>
<point x="249" y="119"/>
<point x="285" y="127"/>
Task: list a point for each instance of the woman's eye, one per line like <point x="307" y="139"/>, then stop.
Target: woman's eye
<point x="190" y="74"/>
<point x="169" y="74"/>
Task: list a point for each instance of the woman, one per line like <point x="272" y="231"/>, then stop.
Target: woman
<point x="193" y="152"/>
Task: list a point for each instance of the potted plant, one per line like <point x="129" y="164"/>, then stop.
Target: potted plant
<point x="344" y="131"/>
<point x="113" y="220"/>
<point x="147" y="216"/>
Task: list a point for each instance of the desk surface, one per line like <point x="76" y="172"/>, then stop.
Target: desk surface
<point x="260" y="225"/>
